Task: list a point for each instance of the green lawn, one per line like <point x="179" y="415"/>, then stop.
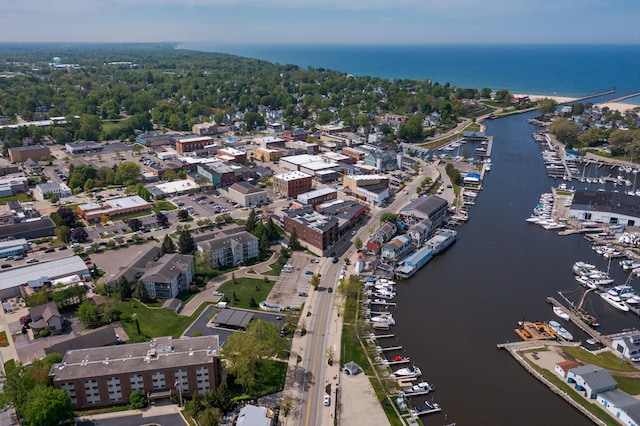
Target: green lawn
<point x="17" y="197"/>
<point x="154" y="322"/>
<point x="163" y="205"/>
<point x="605" y="360"/>
<point x="245" y="289"/>
<point x="4" y="341"/>
<point x="269" y="379"/>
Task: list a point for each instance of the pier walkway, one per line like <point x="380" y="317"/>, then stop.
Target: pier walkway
<point x="622" y="98"/>
<point x="595" y="95"/>
<point x="581" y="324"/>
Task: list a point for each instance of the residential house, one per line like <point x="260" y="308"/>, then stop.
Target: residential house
<point x="591" y="379"/>
<point x="167" y="277"/>
<point x="45" y="317"/>
<point x="396" y="248"/>
<point x="385" y="232"/>
<point x="419" y="232"/>
<point x="32" y="166"/>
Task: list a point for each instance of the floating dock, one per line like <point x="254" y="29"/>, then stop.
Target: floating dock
<point x="528" y="330"/>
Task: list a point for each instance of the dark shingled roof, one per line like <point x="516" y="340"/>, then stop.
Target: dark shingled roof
<point x="233" y="318"/>
<point x="613" y="202"/>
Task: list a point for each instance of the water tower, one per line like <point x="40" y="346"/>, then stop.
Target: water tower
<point x="57" y="61"/>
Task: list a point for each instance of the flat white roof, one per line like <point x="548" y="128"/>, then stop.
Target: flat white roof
<point x="301" y="159"/>
<point x="55" y="269"/>
<point x="267" y="139"/>
<point x="177" y="186"/>
<point x="118" y="203"/>
<point x="13" y="243"/>
<point x="292" y="175"/>
<point x="316" y="193"/>
<point x="319" y="165"/>
<point x="196" y="139"/>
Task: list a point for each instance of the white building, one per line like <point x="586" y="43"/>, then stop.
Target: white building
<point x="247" y="195"/>
<point x="60" y="190"/>
<point x="167" y="277"/>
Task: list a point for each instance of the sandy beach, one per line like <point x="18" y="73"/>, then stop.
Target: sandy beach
<point x="617" y="106"/>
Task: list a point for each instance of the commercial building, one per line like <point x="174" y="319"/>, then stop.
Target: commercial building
<point x="268" y="154"/>
<point x="176" y="187"/>
<point x="247" y="195"/>
<point x="92" y="212"/>
<point x="204" y="129"/>
<point x="19" y="154"/>
<point x="230" y="249"/>
<point x="314" y="228"/>
<point x="218" y="173"/>
<point x="107" y="376"/>
<point x="372" y="189"/>
<point x="269" y="142"/>
<point x="13" y="185"/>
<point x="191" y="144"/>
<point x="85" y="147"/>
<point x="13" y="247"/>
<point x="591" y="379"/>
<point x="432" y="209"/>
<point x="29" y="228"/>
<point x="292" y="184"/>
<point x="232" y="154"/>
<point x="302" y="146"/>
<point x="11" y="280"/>
<point x="60" y="190"/>
<point x="318" y="196"/>
<point x="168" y="276"/>
<point x="6" y="168"/>
<point x="606" y="207"/>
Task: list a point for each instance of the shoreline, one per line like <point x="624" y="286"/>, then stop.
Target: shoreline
<point x="616" y="106"/>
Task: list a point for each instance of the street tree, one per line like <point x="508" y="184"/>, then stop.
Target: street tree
<point x="134" y="223"/>
<point x="162" y="219"/>
<point x="63" y="233"/>
<point x="251" y="221"/>
<point x="183" y="214"/>
<point x="357" y="243"/>
<point x="388" y="217"/>
<point x="79" y="234"/>
<point x="294" y="243"/>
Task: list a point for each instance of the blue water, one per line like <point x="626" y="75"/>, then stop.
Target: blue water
<point x="564" y="70"/>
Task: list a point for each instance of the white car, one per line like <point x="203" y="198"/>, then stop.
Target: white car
<point x="327" y="400"/>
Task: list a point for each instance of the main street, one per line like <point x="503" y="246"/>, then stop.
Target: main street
<point x="307" y="381"/>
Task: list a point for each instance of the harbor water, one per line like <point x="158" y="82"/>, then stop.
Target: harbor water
<point x="452" y="313"/>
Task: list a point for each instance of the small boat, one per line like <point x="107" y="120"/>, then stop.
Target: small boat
<point x="560" y="312"/>
<point x="408" y="372"/>
<point x="384" y="319"/>
<point x="614" y="301"/>
<point x="582" y="265"/>
<point x="420" y="389"/>
<point x="426" y="408"/>
<point x="560" y="330"/>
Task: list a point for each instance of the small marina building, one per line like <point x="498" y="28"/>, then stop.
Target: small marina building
<point x="396" y="248"/>
<point x="591" y="379"/>
<point x="606" y="207"/>
<point x="621" y="405"/>
<point x="628" y="346"/>
<point x="563" y="367"/>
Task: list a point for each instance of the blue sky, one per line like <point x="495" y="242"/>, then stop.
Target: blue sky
<point x="322" y="21"/>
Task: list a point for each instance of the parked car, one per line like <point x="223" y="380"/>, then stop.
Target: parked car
<point x="326" y="401"/>
<point x="336" y="259"/>
<point x="6" y="265"/>
<point x="32" y="260"/>
<point x="50" y="250"/>
<point x="303" y="294"/>
<point x="308" y="272"/>
<point x="63" y="248"/>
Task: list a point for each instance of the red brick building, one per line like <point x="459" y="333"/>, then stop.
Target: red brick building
<point x="194" y="143"/>
<point x="292" y="184"/>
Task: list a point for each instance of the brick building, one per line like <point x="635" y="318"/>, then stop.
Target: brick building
<point x="107" y="376"/>
<point x="292" y="184"/>
<point x="191" y="144"/>
<point x="19" y="154"/>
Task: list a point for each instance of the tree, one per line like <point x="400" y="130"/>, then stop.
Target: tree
<point x="17" y="383"/>
<point x="251" y="221"/>
<point x="294" y="243"/>
<point x="186" y="245"/>
<point x="168" y="246"/>
<point x="566" y="131"/>
<point x="272" y="230"/>
<point x="315" y="281"/>
<point x="220" y="398"/>
<point x="547" y="106"/>
<point x="65" y="216"/>
<point x="411" y="129"/>
<point x="388" y="217"/>
<point x="183" y="214"/>
<point x="210" y="416"/>
<point x="47" y="406"/>
<point x="79" y="234"/>
<point x="87" y="313"/>
<point x="127" y="173"/>
<point x="485" y="93"/>
<point x="162" y="219"/>
<point x="137" y="400"/>
<point x="357" y="243"/>
<point x="63" y="233"/>
<point x="245" y="352"/>
<point x="135" y="224"/>
<point x="502" y="95"/>
<point x="125" y="288"/>
<point x="140" y="293"/>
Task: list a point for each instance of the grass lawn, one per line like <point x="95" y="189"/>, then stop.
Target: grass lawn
<point x="154" y="322"/>
<point x="4" y="341"/>
<point x="163" y="205"/>
<point x="276" y="267"/>
<point x="630" y="385"/>
<point x="245" y="289"/>
<point x="269" y="379"/>
<point x="605" y="360"/>
<point x="17" y="197"/>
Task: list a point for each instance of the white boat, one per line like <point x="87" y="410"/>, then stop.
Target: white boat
<point x="384" y="319"/>
<point x="560" y="330"/>
<point x="614" y="301"/>
<point x="420" y="389"/>
<point x="582" y="265"/>
<point x="408" y="372"/>
<point x="561" y="313"/>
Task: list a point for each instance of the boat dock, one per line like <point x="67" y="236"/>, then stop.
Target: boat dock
<point x="528" y="331"/>
<point x="425" y="408"/>
<point x="580" y="323"/>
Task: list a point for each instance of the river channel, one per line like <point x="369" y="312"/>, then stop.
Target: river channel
<point x="455" y="310"/>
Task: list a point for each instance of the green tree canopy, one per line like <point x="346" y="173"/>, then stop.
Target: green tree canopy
<point x="127" y="173"/>
<point x="168" y="246"/>
<point x="186" y="245"/>
<point x="87" y="313"/>
<point x="47" y="406"/>
<point x="547" y="106"/>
